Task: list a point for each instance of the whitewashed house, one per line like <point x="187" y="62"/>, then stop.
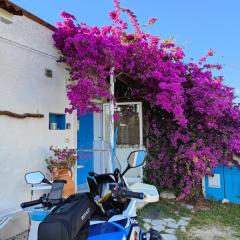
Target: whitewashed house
<point x="32" y="98"/>
<point x="31" y="81"/>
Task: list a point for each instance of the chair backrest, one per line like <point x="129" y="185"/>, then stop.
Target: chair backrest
<point x="4" y="221"/>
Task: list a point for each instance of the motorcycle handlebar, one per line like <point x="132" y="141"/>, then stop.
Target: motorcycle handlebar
<point x="130" y="194"/>
<point x="31" y="203"/>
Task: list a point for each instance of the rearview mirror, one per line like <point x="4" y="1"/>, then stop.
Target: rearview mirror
<point x="34" y="177"/>
<point x="136" y="158"/>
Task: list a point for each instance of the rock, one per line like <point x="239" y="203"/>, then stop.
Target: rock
<point x="183" y="228"/>
<point x="167" y="195"/>
<point x="147" y="220"/>
<point x="225" y="201"/>
<point x="186" y="218"/>
<point x="177" y="212"/>
<point x="168" y="220"/>
<point x="183" y="223"/>
<point x="170" y="231"/>
<point x="146" y="226"/>
<point x="188" y="206"/>
<point x="168" y="237"/>
<point x="158" y="222"/>
<point x="172" y="225"/>
<point x="159" y="228"/>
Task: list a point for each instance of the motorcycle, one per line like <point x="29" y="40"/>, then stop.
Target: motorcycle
<point x="115" y="215"/>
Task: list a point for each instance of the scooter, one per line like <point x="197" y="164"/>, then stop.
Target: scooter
<point x="115" y="216"/>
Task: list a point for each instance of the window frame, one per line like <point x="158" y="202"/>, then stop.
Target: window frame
<point x="105" y="105"/>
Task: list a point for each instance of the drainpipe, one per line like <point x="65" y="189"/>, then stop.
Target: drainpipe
<point x="112" y="81"/>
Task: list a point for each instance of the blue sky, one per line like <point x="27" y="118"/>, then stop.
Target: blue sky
<point x="196" y="25"/>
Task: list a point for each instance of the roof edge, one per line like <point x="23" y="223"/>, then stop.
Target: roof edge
<point x="17" y="10"/>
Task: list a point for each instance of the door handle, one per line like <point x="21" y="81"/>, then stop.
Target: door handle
<point x="80" y="166"/>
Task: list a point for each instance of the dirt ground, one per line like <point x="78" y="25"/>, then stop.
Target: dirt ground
<point x="212" y="233"/>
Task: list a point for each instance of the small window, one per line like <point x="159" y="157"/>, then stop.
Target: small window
<point x="48" y="73"/>
<point x="57" y="121"/>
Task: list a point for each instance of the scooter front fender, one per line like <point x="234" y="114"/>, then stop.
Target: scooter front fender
<point x="109" y="236"/>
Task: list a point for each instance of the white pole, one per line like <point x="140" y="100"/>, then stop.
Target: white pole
<point x="112" y="113"/>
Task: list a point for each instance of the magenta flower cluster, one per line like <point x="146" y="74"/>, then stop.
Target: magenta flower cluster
<point x="192" y="121"/>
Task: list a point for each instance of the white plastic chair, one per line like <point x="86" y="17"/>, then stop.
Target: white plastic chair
<point x="4" y="221"/>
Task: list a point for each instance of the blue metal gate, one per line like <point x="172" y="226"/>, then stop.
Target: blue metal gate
<point x="225" y="184"/>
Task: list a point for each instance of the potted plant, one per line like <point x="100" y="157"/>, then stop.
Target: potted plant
<point x="61" y="166"/>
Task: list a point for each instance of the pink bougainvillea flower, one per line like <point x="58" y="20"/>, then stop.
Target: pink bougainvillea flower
<point x="186" y="191"/>
<point x="153" y="178"/>
<point x="116" y="116"/>
<point x="113" y="15"/>
<point x="210" y="52"/>
<point x="178" y="53"/>
<point x="154" y="40"/>
<point x="117" y="4"/>
<point x="167" y="44"/>
<point x="67" y="15"/>
<point x="152" y="21"/>
<point x="219" y="79"/>
<point x="202" y="60"/>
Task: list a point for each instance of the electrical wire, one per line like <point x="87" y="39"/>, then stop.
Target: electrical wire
<point x="27" y="47"/>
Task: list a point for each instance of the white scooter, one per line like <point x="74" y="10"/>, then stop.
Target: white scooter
<point x="116" y="200"/>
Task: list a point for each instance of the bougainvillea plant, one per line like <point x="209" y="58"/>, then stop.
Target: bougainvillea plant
<point x="62" y="159"/>
<point x="191" y="119"/>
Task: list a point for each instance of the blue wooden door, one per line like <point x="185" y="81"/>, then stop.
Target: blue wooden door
<point x="232" y="184"/>
<point x="85" y="139"/>
<point x="217" y="191"/>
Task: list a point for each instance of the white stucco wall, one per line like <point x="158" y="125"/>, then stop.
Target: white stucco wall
<point x="24" y="88"/>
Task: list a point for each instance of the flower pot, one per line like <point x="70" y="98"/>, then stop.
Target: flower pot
<point x="65" y="174"/>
